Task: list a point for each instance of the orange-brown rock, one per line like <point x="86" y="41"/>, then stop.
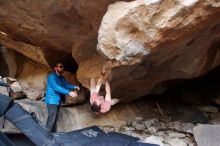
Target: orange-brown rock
<point x="144" y="43"/>
<point x="159" y="40"/>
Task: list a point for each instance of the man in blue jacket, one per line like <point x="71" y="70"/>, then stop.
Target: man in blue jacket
<point x="57" y="86"/>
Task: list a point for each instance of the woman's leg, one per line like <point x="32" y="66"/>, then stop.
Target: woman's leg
<point x="115" y="101"/>
<point x="107" y="90"/>
<point x="108" y="94"/>
<point x="99" y="83"/>
<point x="101" y="80"/>
<point x="92" y="85"/>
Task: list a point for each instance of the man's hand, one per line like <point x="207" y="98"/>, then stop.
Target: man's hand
<point x="73" y="94"/>
<point x="77" y="87"/>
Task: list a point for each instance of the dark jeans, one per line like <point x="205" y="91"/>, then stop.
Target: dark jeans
<point x="52" y="116"/>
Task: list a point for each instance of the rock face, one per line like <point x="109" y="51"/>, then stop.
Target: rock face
<point x="159" y="132"/>
<point x="143" y="43"/>
<point x="10" y="62"/>
<point x="157" y="41"/>
<point x="77" y="117"/>
<point x="51" y="26"/>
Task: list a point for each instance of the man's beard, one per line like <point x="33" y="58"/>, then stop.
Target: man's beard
<point x="60" y="72"/>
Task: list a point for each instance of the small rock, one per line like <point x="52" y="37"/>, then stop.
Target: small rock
<point x="162" y="125"/>
<point x="11" y="79"/>
<point x="208" y="109"/>
<point x="151" y="122"/>
<point x="161" y="133"/>
<point x="177" y="142"/>
<point x="5" y="79"/>
<point x="138" y="119"/>
<point x="153" y="129"/>
<point x="15" y="87"/>
<point x="131" y="128"/>
<point x="188" y="127"/>
<point x="177" y="135"/>
<point x="139" y="127"/>
<point x="18" y="95"/>
<point x="148" y="124"/>
<point x="129" y="122"/>
<point x="155" y="140"/>
<point x="127" y="128"/>
<point x="155" y="121"/>
<point x="34" y="94"/>
<point x="176" y="125"/>
<point x="189" y="141"/>
<point x="134" y="123"/>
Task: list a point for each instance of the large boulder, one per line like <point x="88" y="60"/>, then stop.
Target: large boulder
<point x="156" y="41"/>
<point x="148" y="45"/>
<point x="207" y="135"/>
<point x="145" y="44"/>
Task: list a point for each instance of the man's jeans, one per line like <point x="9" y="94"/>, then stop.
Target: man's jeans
<point x="52" y="116"/>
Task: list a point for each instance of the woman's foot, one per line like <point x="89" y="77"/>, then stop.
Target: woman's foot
<point x="103" y="71"/>
<point x="105" y="74"/>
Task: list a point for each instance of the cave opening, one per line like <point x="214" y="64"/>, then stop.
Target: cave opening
<point x="10" y="59"/>
<point x="194" y="100"/>
<point x="11" y="62"/>
<point x="201" y="90"/>
<point x="53" y="56"/>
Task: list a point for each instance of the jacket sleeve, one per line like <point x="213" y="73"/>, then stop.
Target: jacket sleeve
<point x="53" y="83"/>
<point x="68" y="85"/>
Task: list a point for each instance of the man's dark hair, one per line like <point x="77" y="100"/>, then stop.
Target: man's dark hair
<point x="56" y="64"/>
<point x="95" y="107"/>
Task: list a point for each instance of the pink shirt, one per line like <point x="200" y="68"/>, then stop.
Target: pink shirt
<point x="96" y="97"/>
<point x="105" y="105"/>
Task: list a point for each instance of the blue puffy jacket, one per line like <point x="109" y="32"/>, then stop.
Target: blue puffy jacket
<point x="56" y="87"/>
